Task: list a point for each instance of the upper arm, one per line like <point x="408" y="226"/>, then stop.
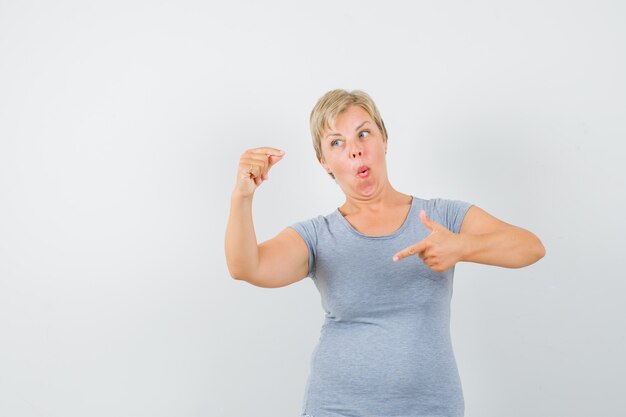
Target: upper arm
<point x="283" y="260"/>
<point x="477" y="222"/>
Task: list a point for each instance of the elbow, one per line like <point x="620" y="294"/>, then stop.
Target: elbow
<point x="531" y="254"/>
<point x="539" y="249"/>
<point x="236" y="273"/>
<point x="236" y="277"/>
<point x="541" y="252"/>
<point x="246" y="276"/>
<point x="537" y="252"/>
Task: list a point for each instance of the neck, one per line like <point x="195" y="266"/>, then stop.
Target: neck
<point x="387" y="197"/>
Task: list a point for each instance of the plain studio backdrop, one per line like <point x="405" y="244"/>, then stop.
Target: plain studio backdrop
<point x="121" y="128"/>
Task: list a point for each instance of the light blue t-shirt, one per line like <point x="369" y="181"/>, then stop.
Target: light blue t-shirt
<point x="384" y="348"/>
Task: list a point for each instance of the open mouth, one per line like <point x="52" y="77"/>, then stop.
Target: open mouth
<point x="363" y="172"/>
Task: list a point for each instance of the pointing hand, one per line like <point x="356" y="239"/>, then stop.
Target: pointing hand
<point x="440" y="250"/>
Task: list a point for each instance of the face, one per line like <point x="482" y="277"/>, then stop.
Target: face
<point x="354" y="142"/>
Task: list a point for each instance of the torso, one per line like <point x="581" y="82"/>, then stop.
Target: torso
<point x="383" y="223"/>
<point x="385" y="347"/>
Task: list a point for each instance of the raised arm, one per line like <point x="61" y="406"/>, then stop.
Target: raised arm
<point x="275" y="263"/>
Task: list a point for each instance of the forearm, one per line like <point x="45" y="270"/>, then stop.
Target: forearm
<point x="513" y="247"/>
<point x="242" y="253"/>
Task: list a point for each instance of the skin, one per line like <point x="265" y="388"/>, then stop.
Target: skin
<point x="253" y="169"/>
<point x="354" y="140"/>
<point x="345" y="148"/>
<point x="441" y="250"/>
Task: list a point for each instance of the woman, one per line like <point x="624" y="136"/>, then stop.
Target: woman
<point x="385" y="346"/>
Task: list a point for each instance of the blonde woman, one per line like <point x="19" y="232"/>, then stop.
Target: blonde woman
<point x="384" y="348"/>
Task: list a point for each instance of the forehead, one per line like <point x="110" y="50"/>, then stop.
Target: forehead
<point x="351" y="117"/>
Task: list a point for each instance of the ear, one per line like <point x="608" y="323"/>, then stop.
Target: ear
<point x="323" y="163"/>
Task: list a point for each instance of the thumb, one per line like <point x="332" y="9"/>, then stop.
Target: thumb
<point x="272" y="160"/>
<point x="430" y="225"/>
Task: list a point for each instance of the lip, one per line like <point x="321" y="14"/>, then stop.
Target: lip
<point x="362" y="174"/>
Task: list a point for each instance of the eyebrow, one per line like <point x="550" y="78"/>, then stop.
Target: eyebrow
<point x="357" y="128"/>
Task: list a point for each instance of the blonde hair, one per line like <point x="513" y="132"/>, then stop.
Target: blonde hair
<point x="331" y="105"/>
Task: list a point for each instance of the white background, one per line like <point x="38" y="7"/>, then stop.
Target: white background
<point x="121" y="126"/>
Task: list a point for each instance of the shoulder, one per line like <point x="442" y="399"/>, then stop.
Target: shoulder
<point x="312" y="228"/>
<point x="446" y="204"/>
<point x="448" y="212"/>
<point x="312" y="223"/>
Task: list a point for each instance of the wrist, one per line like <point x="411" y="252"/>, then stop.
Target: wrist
<point x="468" y="244"/>
<point x="237" y="196"/>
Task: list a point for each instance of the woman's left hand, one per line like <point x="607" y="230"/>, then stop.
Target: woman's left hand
<point x="440" y="250"/>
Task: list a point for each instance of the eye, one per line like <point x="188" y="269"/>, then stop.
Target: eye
<point x="333" y="142"/>
<point x="364" y="131"/>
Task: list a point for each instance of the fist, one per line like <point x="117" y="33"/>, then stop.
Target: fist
<point x="254" y="166"/>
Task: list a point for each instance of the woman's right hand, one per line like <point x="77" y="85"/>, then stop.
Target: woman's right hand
<point x="254" y="166"/>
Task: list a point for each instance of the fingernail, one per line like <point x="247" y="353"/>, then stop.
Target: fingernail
<point x="395" y="258"/>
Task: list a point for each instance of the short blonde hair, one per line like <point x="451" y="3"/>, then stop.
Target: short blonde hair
<point x="331" y="105"/>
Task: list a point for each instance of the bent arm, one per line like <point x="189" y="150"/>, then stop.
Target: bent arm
<point x="490" y="241"/>
<point x="275" y="263"/>
<point x="510" y="248"/>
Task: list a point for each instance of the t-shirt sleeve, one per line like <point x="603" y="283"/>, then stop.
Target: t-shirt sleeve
<point x="307" y="230"/>
<point x="452" y="212"/>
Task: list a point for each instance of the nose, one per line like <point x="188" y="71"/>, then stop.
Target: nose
<point x="356" y="151"/>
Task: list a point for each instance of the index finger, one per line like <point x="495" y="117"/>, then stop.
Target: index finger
<point x="268" y="151"/>
<point x="411" y="250"/>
